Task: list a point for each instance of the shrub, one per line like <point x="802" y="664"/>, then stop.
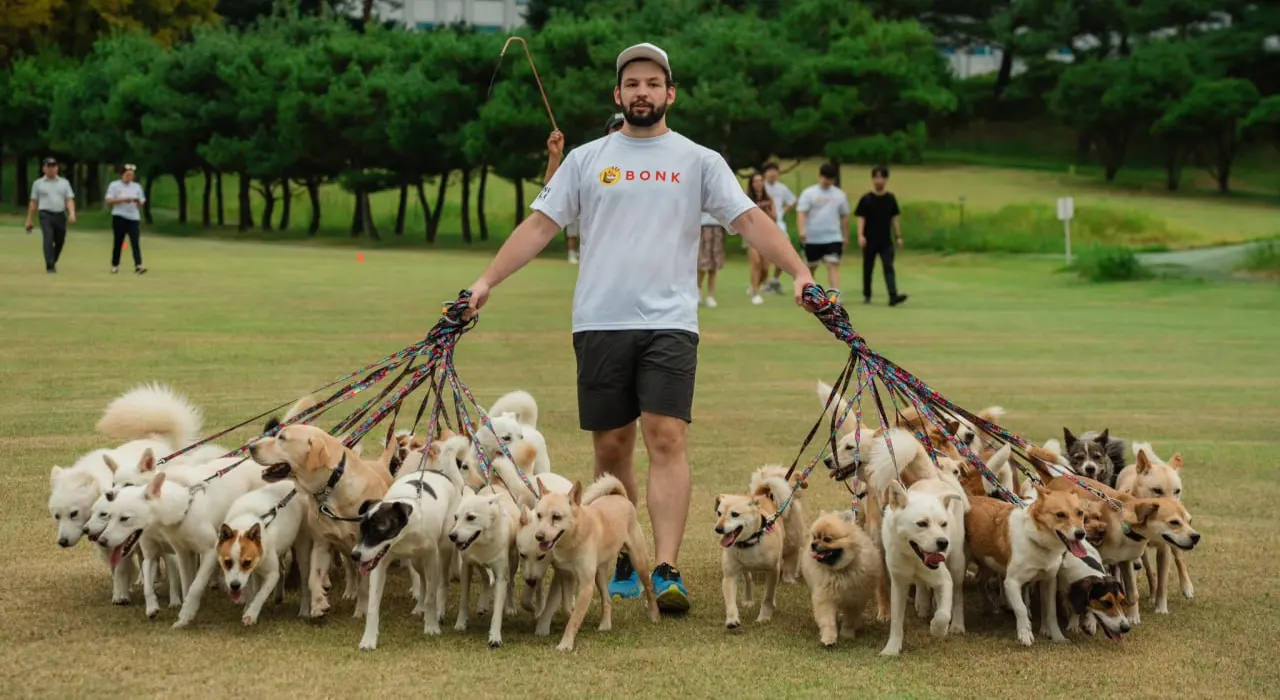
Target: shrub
<point x="1110" y="264"/>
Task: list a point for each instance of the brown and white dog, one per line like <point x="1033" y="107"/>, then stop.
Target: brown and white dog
<point x="338" y="480"/>
<point x="1026" y="545"/>
<point x="750" y="545"/>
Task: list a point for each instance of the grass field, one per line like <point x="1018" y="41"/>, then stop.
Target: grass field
<point x="240" y="327"/>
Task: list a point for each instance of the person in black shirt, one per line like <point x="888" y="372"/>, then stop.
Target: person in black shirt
<point x="877" y="214"/>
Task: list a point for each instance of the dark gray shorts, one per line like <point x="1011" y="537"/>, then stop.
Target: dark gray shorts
<point x="624" y="373"/>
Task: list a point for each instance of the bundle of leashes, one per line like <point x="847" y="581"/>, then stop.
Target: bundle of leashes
<point x="428" y="362"/>
<point x="870" y="372"/>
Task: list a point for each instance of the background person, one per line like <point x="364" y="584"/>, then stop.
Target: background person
<point x="125" y="196"/>
<point x="758" y="267"/>
<point x="53" y="198"/>
<point x="783" y="202"/>
<point x="710" y="258"/>
<point x="822" y="217"/>
<point x="877" y="212"/>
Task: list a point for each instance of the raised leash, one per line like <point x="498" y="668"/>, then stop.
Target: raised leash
<point x="873" y="371"/>
<point x="529" y="56"/>
<point x="428" y="362"/>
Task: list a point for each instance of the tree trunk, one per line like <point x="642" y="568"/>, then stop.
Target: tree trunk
<point x="404" y="203"/>
<point x="269" y="203"/>
<point x="93" y="183"/>
<point x="1006" y="69"/>
<point x="22" y="191"/>
<point x="181" y="179"/>
<point x="519" y="202"/>
<point x="426" y="209"/>
<point x="286" y="205"/>
<point x="1172" y="169"/>
<point x="368" y="217"/>
<point x="466" y="206"/>
<point x="484" y="223"/>
<point x="206" y="198"/>
<point x="222" y="211"/>
<point x="313" y="192"/>
<point x="246" y="203"/>
<point x="146" y="192"/>
<point x="433" y="228"/>
<point x="357" y="216"/>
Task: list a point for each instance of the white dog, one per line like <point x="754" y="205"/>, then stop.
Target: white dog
<point x="186" y="518"/>
<point x="923" y="530"/>
<point x="260" y="527"/>
<point x="411" y="522"/>
<point x="484" y="532"/>
<point x="515" y="419"/>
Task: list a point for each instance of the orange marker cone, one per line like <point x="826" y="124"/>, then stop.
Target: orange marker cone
<point x="126" y="246"/>
<point x="360" y="257"/>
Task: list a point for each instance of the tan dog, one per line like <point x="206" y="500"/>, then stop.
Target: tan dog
<point x="1121" y="536"/>
<point x="841" y="571"/>
<point x="336" y="478"/>
<point x="585" y="532"/>
<point x="793" y="536"/>
<point x="1152" y="477"/>
<point x="748" y="547"/>
<point x="1026" y="545"/>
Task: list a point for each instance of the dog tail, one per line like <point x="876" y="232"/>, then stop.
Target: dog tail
<point x="152" y="410"/>
<point x="303" y="404"/>
<point x="1052" y="446"/>
<point x="908" y="455"/>
<point x="775" y="487"/>
<point x="524" y="454"/>
<point x="1049" y="464"/>
<point x="992" y="414"/>
<point x="606" y="485"/>
<point x="999" y="465"/>
<point x="519" y="402"/>
<point x="824" y="392"/>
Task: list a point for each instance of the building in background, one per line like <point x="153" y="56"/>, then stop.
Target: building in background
<point x="485" y="15"/>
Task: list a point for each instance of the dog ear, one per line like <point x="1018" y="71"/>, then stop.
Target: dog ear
<point x="953" y="426"/>
<point x="1144" y="462"/>
<point x="1067" y="437"/>
<point x="317" y="454"/>
<point x="524" y="514"/>
<point x="1175" y="461"/>
<point x="542" y="488"/>
<point x="148" y="461"/>
<point x="719" y="496"/>
<point x="225" y="533"/>
<point x="575" y="494"/>
<point x="154" y="488"/>
<point x="1078" y="597"/>
<point x="272" y="424"/>
<point x="433" y="451"/>
<point x="53" y="475"/>
<point x="1104" y="438"/>
<point x="1145" y="511"/>
<point x="1041" y="492"/>
<point x="111" y="463"/>
<point x="366" y="506"/>
<point x="404" y="509"/>
<point x="897" y="496"/>
<point x="255" y="533"/>
<point x="948" y="499"/>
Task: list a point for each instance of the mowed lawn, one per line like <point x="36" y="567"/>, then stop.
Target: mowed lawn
<point x="241" y="327"/>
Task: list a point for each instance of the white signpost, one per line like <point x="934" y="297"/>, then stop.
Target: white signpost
<point x="1066" y="211"/>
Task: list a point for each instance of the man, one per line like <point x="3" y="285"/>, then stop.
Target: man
<point x="877" y="212"/>
<point x="640" y="194"/>
<point x="783" y="202"/>
<point x="52" y="197"/>
<point x="822" y="218"/>
<point x="555" y="150"/>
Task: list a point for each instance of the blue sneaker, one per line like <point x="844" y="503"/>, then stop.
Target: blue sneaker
<point x="626" y="582"/>
<point x="670" y="590"/>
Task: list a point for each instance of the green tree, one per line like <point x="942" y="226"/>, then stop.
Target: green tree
<point x="27" y="110"/>
<point x="1212" y="117"/>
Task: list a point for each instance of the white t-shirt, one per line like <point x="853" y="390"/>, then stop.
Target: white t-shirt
<point x="823" y="209"/>
<point x="132" y="190"/>
<point x="782" y="198"/>
<point x="640" y="203"/>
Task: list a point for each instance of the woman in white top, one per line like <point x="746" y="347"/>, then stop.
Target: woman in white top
<point x="125" y="197"/>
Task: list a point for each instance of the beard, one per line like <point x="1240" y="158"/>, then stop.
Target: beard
<point x="649" y="118"/>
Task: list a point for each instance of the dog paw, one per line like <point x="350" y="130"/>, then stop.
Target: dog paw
<point x="175" y="603"/>
<point x="1025" y="637"/>
<point x="1073" y="627"/>
<point x="181" y="623"/>
<point x="495" y="641"/>
<point x="891" y="650"/>
<point x="829" y="640"/>
<point x="369" y="644"/>
<point x="460" y="626"/>
<point x="763" y="617"/>
<point x="564" y="646"/>
<point x="542" y="632"/>
<point x="121" y="601"/>
<point x="790" y="579"/>
<point x="249" y="620"/>
<point x="1189" y="593"/>
<point x="957" y="628"/>
<point x="432" y="630"/>
<point x="939" y="627"/>
<point x="732" y="624"/>
<point x="152" y="613"/>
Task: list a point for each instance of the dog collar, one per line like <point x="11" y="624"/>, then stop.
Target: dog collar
<point x="1128" y="532"/>
<point x="322" y="498"/>
<point x="754" y="539"/>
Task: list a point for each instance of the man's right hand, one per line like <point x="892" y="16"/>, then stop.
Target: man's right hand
<point x="29" y="227"/>
<point x="555" y="145"/>
<point x="479" y="296"/>
<point x="862" y="242"/>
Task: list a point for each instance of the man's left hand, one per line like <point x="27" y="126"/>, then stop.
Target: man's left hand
<point x="72" y="218"/>
<point x="899" y="240"/>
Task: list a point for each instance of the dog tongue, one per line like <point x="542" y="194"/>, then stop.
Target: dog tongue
<point x="1077" y="549"/>
<point x="934" y="559"/>
<point x="117" y="554"/>
<point x="728" y="540"/>
<point x="236" y="596"/>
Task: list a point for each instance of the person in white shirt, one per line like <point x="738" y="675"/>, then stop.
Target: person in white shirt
<point x="822" y="217"/>
<point x="125" y="196"/>
<point x="639" y="195"/>
<point x="783" y="202"/>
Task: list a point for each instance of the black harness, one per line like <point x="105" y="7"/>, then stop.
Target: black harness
<point x="322" y="498"/>
<point x="756" y="538"/>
